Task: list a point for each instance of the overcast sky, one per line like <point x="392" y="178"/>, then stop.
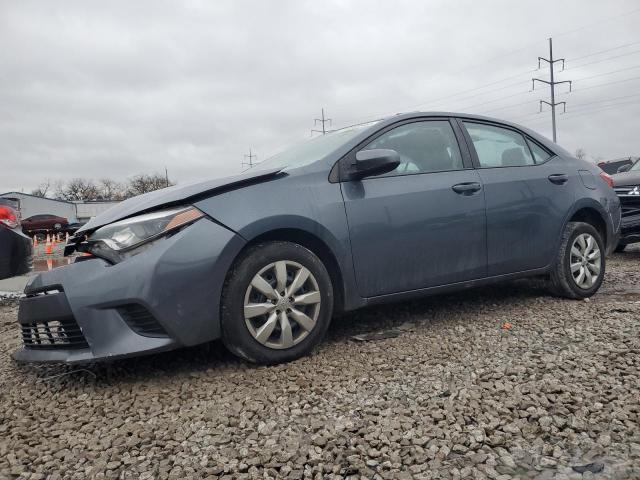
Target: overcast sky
<point x="113" y="89"/>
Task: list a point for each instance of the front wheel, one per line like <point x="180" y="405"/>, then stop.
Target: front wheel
<point x="579" y="267"/>
<point x="276" y="304"/>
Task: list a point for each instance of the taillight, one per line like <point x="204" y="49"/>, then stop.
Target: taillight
<point x="8" y="216"/>
<point x="607" y="178"/>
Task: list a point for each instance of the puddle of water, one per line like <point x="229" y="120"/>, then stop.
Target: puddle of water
<point x="45" y="264"/>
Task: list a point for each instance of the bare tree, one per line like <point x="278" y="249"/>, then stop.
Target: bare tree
<point x="109" y="189"/>
<point x="144" y="183"/>
<point x="77" y="189"/>
<point x="42" y="189"/>
<point x="581" y="154"/>
<point x="105" y="189"/>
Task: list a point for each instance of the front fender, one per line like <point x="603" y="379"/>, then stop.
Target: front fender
<point x="305" y="202"/>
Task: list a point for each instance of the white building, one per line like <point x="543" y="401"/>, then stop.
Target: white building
<point x="29" y="205"/>
<point x="85" y="211"/>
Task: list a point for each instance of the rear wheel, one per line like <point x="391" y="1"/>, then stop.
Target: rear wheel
<point x="276" y="304"/>
<point x="579" y="268"/>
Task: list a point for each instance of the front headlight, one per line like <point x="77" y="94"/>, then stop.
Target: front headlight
<point x="134" y="231"/>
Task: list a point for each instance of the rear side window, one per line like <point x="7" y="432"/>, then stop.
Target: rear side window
<point x="499" y="147"/>
<point x="540" y="155"/>
<point x="424" y="147"/>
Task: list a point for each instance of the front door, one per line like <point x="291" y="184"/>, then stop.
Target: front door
<point x="423" y="224"/>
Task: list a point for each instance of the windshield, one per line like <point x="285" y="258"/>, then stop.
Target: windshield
<point x="636" y="167"/>
<point x="306" y="153"/>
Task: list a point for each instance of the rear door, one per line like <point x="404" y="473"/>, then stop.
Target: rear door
<point x="528" y="192"/>
<point x="422" y="224"/>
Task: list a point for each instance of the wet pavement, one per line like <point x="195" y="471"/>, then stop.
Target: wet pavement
<point x="51" y="262"/>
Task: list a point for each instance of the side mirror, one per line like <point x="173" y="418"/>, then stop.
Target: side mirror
<point x="624" y="168"/>
<point x="374" y="162"/>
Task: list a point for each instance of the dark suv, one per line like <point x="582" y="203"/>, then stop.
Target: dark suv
<point x="627" y="187"/>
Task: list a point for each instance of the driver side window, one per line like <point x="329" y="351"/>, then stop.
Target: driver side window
<point x="424" y="147"/>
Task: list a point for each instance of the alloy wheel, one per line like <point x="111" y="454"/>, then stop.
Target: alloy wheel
<point x="585" y="261"/>
<point x="282" y="304"/>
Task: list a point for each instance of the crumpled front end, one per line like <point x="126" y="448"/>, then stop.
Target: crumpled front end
<point x="163" y="298"/>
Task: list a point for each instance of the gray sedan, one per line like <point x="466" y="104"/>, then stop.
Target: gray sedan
<point x="412" y="205"/>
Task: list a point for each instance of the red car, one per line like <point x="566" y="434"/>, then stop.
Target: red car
<point x="44" y="224"/>
<point x="15" y="247"/>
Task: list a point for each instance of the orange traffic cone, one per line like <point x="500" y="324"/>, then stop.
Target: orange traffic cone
<point x="49" y="263"/>
<point x="48" y="247"/>
<point x="35" y="241"/>
<point x="48" y="238"/>
<point x="66" y="238"/>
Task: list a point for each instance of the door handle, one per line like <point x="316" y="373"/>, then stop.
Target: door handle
<point x="559" y="178"/>
<point x="468" y="188"/>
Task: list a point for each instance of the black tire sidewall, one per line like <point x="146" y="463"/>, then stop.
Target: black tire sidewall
<point x="235" y="333"/>
<point x="566" y="278"/>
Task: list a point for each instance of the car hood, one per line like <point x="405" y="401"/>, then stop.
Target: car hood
<point x="626" y="178"/>
<point x="174" y="195"/>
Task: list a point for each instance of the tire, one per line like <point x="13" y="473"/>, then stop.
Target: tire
<point x="261" y="338"/>
<point x="620" y="247"/>
<point x="562" y="280"/>
<point x="57" y="226"/>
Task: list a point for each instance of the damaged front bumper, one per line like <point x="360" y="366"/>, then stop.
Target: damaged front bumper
<point x="164" y="298"/>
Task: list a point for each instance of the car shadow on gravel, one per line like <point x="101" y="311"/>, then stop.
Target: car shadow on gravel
<point x="214" y="356"/>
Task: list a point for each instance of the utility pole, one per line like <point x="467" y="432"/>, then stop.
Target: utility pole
<point x="322" y="121"/>
<point x="552" y="83"/>
<point x="250" y="157"/>
<point x="166" y="175"/>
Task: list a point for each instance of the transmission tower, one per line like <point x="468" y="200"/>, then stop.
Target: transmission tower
<point x="250" y="163"/>
<point x="322" y="121"/>
<point x="552" y="83"/>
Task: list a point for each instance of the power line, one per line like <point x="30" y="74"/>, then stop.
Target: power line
<point x="500" y="89"/>
<point x="590" y="111"/>
<point x="599" y="22"/>
<point x="513" y="105"/>
<point x="524" y="93"/>
<point x="552" y="84"/>
<point x="501" y="56"/>
<point x="570" y="67"/>
<point x="607" y="73"/>
<point x="322" y="120"/>
<point x="593" y="54"/>
<point x="581" y="89"/>
<point x="496" y="100"/>
<point x="574" y="92"/>
<point x="607" y="100"/>
<point x="556" y="34"/>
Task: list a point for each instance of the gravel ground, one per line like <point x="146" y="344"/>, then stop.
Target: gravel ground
<point x="455" y="395"/>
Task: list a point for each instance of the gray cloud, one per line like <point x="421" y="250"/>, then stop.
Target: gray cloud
<point x="118" y="88"/>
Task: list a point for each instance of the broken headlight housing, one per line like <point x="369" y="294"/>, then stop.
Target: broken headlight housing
<point x="124" y="238"/>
